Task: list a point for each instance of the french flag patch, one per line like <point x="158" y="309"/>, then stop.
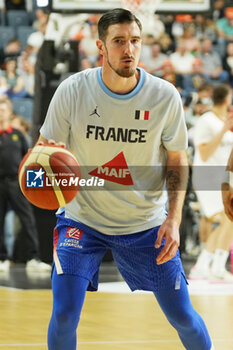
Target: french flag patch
<point x="142" y="115"/>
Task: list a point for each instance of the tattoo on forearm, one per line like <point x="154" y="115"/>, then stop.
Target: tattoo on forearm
<point x="173" y="183"/>
<point x="176" y="180"/>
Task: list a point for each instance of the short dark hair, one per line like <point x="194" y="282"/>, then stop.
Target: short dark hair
<point x="205" y="86"/>
<point x="220" y="93"/>
<point x="8" y="103"/>
<point x="115" y="16"/>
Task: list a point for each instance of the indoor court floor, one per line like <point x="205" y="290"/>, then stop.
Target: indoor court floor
<point x="113" y="318"/>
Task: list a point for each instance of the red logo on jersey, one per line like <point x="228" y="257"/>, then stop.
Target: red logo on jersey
<point x="116" y="171"/>
<point x="73" y="232"/>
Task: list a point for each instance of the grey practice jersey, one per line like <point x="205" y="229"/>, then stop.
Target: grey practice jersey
<point x="121" y="139"/>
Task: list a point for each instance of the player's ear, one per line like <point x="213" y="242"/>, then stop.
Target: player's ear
<point x="100" y="46"/>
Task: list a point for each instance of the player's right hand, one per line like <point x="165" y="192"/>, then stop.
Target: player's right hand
<point x="42" y="141"/>
<point x="170" y="231"/>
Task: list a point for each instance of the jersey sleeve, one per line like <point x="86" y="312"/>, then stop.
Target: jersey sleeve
<point x="57" y="122"/>
<point x="174" y="135"/>
<point x="203" y="132"/>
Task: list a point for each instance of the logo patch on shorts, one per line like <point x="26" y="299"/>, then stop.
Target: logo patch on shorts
<point x="75" y="233"/>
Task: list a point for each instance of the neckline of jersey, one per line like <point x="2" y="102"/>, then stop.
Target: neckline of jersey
<point x="123" y="96"/>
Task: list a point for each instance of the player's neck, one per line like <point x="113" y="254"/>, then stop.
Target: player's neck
<point x="118" y="84"/>
<point x="220" y="111"/>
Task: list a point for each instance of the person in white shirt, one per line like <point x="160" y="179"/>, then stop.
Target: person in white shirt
<point x="182" y="59"/>
<point x="213" y="141"/>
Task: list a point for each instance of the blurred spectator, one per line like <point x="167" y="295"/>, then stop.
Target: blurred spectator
<point x="191" y="42"/>
<point x="28" y="58"/>
<point x="205" y="28"/>
<point x="191" y="118"/>
<point x="196" y="103"/>
<point x="213" y="144"/>
<point x="88" y="49"/>
<point x="13" y="147"/>
<point x="168" y="21"/>
<point x="203" y="95"/>
<point x="225" y="30"/>
<point x="27" y="62"/>
<point x="6" y="112"/>
<point x="166" y="44"/>
<point x="169" y="72"/>
<point x="42" y="17"/>
<point x="147" y="42"/>
<point x="14" y="81"/>
<point x="22" y="124"/>
<point x="27" y="70"/>
<point x="170" y="75"/>
<point x="225" y="25"/>
<point x="154" y="28"/>
<point x="212" y="63"/>
<point x="12" y="49"/>
<point x="178" y="25"/>
<point x="228" y="62"/>
<point x="182" y="59"/>
<point x="155" y="64"/>
<point x="197" y="78"/>
<point x="218" y="10"/>
<point x="36" y="39"/>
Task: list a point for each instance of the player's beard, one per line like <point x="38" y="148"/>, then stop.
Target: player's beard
<point x="125" y="72"/>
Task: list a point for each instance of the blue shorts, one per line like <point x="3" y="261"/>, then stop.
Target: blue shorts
<point x="79" y="250"/>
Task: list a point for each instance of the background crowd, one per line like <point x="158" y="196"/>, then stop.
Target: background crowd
<point x="194" y="52"/>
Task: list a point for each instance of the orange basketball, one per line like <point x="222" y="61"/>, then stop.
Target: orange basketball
<point x="49" y="176"/>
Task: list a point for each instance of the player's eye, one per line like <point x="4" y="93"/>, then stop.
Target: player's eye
<point x="135" y="41"/>
<point x="119" y="41"/>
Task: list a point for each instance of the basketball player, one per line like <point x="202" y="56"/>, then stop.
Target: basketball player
<point x="227" y="189"/>
<point x="213" y="144"/>
<point x="139" y="123"/>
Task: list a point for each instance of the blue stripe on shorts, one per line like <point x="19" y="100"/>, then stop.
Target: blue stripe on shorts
<point x="80" y="250"/>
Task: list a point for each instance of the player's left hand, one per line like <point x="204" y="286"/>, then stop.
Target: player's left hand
<point x="170" y="231"/>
